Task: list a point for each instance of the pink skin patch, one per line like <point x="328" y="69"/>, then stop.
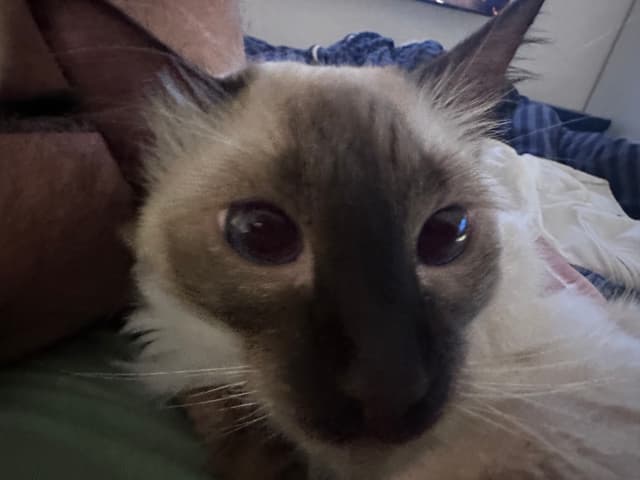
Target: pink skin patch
<point x="562" y="275"/>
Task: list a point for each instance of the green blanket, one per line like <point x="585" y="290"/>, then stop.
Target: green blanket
<point x="58" y="423"/>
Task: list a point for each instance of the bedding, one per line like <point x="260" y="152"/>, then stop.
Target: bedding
<point x="576" y="213"/>
<point x="537" y="129"/>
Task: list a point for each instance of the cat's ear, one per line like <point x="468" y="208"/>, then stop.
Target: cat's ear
<point x="477" y="68"/>
<point x="187" y="83"/>
<point x="187" y="105"/>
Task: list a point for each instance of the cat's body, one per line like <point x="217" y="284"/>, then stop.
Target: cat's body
<point x="345" y="338"/>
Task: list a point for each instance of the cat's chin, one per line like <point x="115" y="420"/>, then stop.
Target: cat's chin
<point x="362" y="457"/>
<point x="366" y="459"/>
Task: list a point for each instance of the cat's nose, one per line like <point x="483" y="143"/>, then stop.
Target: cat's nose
<point x="391" y="410"/>
<point x="391" y="407"/>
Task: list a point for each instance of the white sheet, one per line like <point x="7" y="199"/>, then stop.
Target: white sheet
<point x="575" y="211"/>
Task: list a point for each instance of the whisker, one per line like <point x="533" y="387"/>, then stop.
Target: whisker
<point x="241" y="405"/>
<point x="245" y="417"/>
<point x="478" y="416"/>
<point x="244" y="425"/>
<point x="527" y="368"/>
<point x="547" y="347"/>
<point x="218" y="388"/>
<point x="516" y="427"/>
<point x="528" y="431"/>
<point x="566" y="413"/>
<point x="136" y="375"/>
<point x="212" y="401"/>
<point x="498" y="394"/>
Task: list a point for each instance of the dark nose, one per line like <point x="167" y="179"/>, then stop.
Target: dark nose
<point x="388" y="386"/>
<point x="391" y="375"/>
<point x="391" y="406"/>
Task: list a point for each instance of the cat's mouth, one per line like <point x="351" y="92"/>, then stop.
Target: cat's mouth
<point x="386" y="421"/>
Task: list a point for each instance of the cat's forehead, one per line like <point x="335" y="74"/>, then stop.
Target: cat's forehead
<point x="345" y="100"/>
<point x="349" y="129"/>
<point x="304" y="79"/>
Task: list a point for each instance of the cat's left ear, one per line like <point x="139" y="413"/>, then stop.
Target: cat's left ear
<point x="186" y="104"/>
<point x="186" y="82"/>
<point x="476" y="69"/>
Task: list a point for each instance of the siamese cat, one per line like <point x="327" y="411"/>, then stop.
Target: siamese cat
<point x="334" y="288"/>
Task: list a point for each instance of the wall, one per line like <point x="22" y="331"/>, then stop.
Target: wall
<point x="582" y="33"/>
<point x="617" y="94"/>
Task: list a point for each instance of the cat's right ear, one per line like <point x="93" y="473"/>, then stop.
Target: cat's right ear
<point x="477" y="68"/>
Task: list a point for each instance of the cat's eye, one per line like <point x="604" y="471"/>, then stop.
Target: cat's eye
<point x="444" y="236"/>
<point x="262" y="233"/>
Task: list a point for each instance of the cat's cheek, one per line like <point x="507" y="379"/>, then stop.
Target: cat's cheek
<point x="458" y="296"/>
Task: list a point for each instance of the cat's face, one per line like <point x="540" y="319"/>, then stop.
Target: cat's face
<point x="330" y="224"/>
<point x="341" y="238"/>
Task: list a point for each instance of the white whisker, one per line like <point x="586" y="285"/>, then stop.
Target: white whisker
<point x="526" y="430"/>
<point x="478" y="416"/>
<point x="245" y="425"/>
<point x="213" y="401"/>
<point x="543" y="390"/>
<point x="135" y="375"/>
<point x="241" y="405"/>
<point x="218" y="388"/>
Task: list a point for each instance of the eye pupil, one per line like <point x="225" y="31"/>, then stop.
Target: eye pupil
<point x="443" y="237"/>
<point x="262" y="233"/>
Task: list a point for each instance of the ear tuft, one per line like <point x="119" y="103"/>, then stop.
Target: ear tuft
<point x="188" y="105"/>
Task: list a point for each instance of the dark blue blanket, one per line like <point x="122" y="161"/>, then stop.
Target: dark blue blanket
<point x="531" y="127"/>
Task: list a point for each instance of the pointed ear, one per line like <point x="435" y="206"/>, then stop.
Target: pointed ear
<point x="477" y="67"/>
<point x="186" y="82"/>
<point x="185" y="105"/>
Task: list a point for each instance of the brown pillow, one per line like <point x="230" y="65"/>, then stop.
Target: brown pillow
<point x="67" y="186"/>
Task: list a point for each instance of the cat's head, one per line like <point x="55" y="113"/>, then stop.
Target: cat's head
<point x="327" y="230"/>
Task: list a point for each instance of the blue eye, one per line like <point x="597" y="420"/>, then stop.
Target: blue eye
<point x="444" y="236"/>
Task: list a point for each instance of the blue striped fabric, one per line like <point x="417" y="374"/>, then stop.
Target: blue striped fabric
<point x="530" y="127"/>
<point x="536" y="128"/>
<point x="610" y="290"/>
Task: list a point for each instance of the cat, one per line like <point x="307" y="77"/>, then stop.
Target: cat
<point x="334" y="288"/>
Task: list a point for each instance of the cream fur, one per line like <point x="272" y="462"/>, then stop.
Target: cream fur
<point x="550" y="388"/>
<point x="185" y="350"/>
